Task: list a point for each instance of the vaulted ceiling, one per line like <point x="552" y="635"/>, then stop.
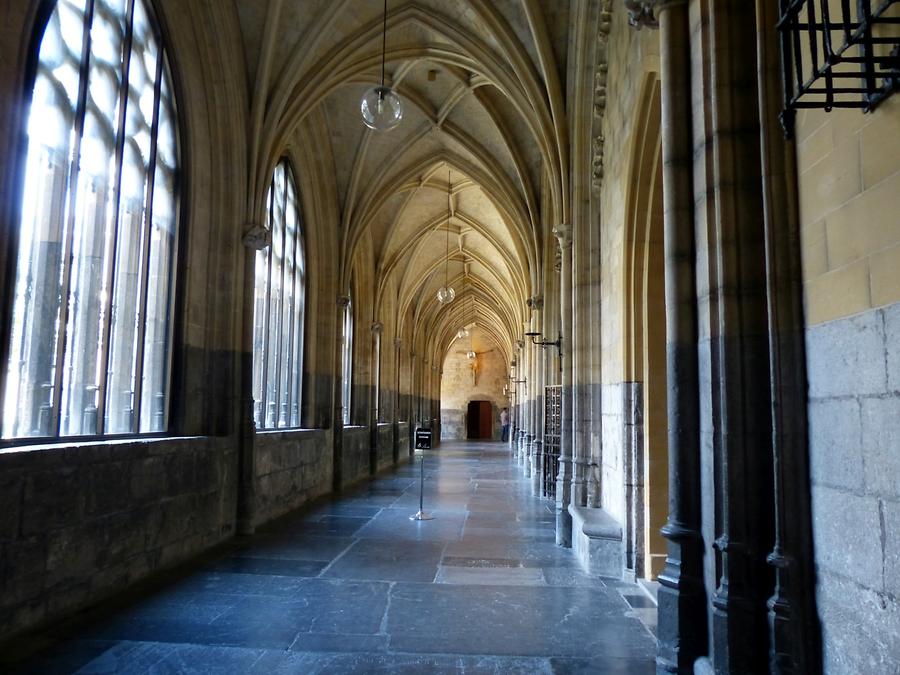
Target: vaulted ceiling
<point x="482" y="83"/>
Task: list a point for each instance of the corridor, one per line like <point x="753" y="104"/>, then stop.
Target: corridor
<point x="353" y="586"/>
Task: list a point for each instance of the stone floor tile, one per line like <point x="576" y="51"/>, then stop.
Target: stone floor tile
<point x="481" y="589"/>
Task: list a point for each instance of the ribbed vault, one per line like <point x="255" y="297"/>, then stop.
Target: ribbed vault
<point x="483" y="119"/>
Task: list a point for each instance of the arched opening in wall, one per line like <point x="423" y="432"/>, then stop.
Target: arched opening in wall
<point x="479" y="420"/>
<point x="645" y="335"/>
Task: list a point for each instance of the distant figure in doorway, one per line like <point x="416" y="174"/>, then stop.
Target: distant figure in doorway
<point x="504" y="423"/>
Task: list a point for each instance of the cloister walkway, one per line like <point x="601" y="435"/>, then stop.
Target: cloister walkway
<point x="353" y="586"/>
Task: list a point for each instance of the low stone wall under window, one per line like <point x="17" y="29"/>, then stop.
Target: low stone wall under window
<point x="79" y="522"/>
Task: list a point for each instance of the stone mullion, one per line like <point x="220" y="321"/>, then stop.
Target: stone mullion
<point x="682" y="604"/>
<point x="564" y="478"/>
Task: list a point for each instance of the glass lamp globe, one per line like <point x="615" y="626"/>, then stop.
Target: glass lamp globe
<point x="445" y="295"/>
<point x="471" y="355"/>
<point x="462" y="334"/>
<point x="381" y="108"/>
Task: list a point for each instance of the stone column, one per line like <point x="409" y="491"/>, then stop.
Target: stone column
<point x="793" y="619"/>
<point x="529" y="405"/>
<point x="537" y="371"/>
<point x="523" y="398"/>
<point x="563" y="234"/>
<point x="682" y="614"/>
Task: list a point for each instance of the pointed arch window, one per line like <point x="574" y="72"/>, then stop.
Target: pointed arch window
<point x="347" y="361"/>
<point x="89" y="345"/>
<point x="280" y="308"/>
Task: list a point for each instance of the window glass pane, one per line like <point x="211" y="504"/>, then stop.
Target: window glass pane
<point x="29" y="396"/>
<point x="131" y="246"/>
<point x="287" y="321"/>
<point x="94" y="273"/>
<point x="275" y="299"/>
<point x="160" y="295"/>
<point x="347" y="362"/>
<point x="94" y="226"/>
<point x="299" y="324"/>
<point x="278" y="310"/>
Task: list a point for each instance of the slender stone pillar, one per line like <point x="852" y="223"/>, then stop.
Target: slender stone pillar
<point x="563" y="234"/>
<point x="682" y="614"/>
<point x="537" y="373"/>
<point x="529" y="409"/>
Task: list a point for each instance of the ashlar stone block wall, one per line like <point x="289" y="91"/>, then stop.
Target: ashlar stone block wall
<point x="849" y="166"/>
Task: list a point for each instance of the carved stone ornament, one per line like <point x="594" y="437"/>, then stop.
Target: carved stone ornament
<point x="640" y="13"/>
<point x="343" y="301"/>
<point x="535" y="302"/>
<point x="377" y="327"/>
<point x="398" y="343"/>
<point x="257" y="237"/>
<point x="601" y="72"/>
<point x="563" y="234"/>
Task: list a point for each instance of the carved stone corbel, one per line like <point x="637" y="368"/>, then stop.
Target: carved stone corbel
<point x="641" y="13"/>
<point x="256" y="237"/>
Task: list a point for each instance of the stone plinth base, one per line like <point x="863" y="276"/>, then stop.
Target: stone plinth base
<point x="597" y="541"/>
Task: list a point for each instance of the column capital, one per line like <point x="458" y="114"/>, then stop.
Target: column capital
<point x="343" y="301"/>
<point x="563" y="233"/>
<point x="398" y="343"/>
<point x="377" y="327"/>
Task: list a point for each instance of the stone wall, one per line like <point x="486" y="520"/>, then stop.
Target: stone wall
<point x="291" y="468"/>
<point x="854" y="418"/>
<point x="464" y="380"/>
<point x="355" y="457"/>
<point x="849" y="167"/>
<point x="80" y="522"/>
<point x="385" y="446"/>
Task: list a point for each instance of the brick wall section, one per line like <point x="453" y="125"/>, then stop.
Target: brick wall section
<point x="78" y="523"/>
<point x="854" y="418"/>
<point x="292" y="468"/>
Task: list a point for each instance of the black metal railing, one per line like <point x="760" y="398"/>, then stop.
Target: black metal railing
<point x="838" y="54"/>
<point x="552" y="426"/>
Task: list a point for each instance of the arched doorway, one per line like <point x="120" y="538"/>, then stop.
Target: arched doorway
<point x="645" y="336"/>
<point x="479" y="420"/>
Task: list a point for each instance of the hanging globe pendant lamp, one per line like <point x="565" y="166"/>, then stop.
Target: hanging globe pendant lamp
<point x="381" y="108"/>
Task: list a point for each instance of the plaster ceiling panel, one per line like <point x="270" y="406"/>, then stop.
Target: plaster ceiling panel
<point x="475" y="203"/>
<point x="297" y="21"/>
<point x="331" y="32"/>
<point x="512" y="11"/>
<point x="523" y="138"/>
<point x="436" y="91"/>
<point x="557" y="15"/>
<point x="461" y="14"/>
<point x="347" y="131"/>
<point x="384" y="221"/>
<point x="476" y="122"/>
<point x="252" y="16"/>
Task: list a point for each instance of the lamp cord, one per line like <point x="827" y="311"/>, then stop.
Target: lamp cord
<point x="447" y="260"/>
<point x="383" y="43"/>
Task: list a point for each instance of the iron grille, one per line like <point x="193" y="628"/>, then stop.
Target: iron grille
<point x="552" y="425"/>
<point x="838" y="54"/>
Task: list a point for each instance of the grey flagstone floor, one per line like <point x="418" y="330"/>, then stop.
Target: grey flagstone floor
<point x="351" y="585"/>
